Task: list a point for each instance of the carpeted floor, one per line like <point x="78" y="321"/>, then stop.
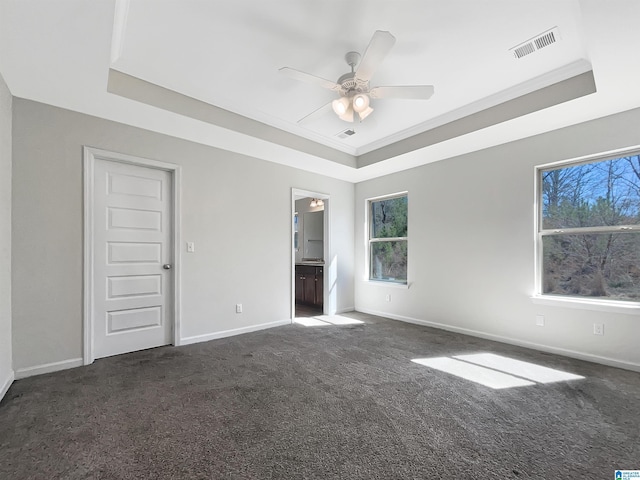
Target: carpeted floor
<point x="323" y="402"/>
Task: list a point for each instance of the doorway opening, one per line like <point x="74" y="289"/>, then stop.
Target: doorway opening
<point x="310" y="292"/>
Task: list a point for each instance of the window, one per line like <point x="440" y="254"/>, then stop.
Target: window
<point x="589" y="229"/>
<point x="388" y="238"/>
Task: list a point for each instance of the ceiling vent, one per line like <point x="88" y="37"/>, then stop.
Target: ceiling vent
<point x="346" y="134"/>
<point x="540" y="41"/>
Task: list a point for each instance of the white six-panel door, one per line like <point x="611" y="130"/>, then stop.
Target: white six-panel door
<point x="132" y="252"/>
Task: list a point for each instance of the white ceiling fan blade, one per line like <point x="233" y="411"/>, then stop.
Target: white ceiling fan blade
<point x="378" y="47"/>
<point x="415" y="92"/>
<point x="320" y="112"/>
<point x="307" y="77"/>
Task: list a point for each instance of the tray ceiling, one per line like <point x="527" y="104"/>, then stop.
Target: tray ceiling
<point x="208" y="71"/>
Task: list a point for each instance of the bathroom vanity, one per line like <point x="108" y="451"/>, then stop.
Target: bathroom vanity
<point x="309" y="284"/>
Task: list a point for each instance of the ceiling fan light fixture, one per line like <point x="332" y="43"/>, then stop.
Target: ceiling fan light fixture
<point x="340" y="106"/>
<point x="348" y="115"/>
<point x="365" y="113"/>
<point x="353" y="87"/>
<point x="361" y="102"/>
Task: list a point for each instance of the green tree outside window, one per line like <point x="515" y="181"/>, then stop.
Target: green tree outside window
<point x="388" y="245"/>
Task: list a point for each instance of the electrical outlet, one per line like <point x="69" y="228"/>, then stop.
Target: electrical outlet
<point x="388" y="298"/>
<point x="598" y="329"/>
<point x="540" y="320"/>
<point x="238" y="308"/>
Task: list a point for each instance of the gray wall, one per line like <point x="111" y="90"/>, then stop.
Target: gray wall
<point x="6" y="371"/>
<point x="470" y="232"/>
<point x="471" y="246"/>
<point x="236" y="261"/>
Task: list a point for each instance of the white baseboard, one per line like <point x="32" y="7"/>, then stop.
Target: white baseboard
<point x="230" y="333"/>
<point x="78" y="362"/>
<point x="345" y="310"/>
<point x="4" y="386"/>
<point x="589" y="357"/>
<point x="48" y="368"/>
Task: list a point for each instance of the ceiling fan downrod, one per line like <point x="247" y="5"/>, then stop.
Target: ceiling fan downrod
<point x="353" y="93"/>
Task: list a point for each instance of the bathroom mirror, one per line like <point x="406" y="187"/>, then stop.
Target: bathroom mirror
<point x="313" y="236"/>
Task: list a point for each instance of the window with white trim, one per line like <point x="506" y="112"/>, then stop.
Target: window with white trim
<point x="589" y="229"/>
<point x="388" y="244"/>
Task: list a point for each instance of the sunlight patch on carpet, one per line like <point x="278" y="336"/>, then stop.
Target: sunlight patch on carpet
<point x="495" y="371"/>
<point x="326" y="320"/>
<point x="475" y="373"/>
<point x="527" y="370"/>
<point x="339" y="320"/>
<point x="310" y="322"/>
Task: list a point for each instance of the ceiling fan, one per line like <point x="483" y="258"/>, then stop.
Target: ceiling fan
<point x="353" y="87"/>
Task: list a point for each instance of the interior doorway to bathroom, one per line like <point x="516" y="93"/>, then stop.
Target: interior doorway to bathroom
<point x="310" y="239"/>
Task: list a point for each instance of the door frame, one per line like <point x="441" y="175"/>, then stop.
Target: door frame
<point x="328" y="293"/>
<point x="90" y="155"/>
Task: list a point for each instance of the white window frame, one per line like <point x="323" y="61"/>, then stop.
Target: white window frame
<point x="618" y="306"/>
<point x="369" y="240"/>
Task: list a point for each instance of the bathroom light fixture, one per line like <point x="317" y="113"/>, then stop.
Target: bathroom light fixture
<point x="316" y="202"/>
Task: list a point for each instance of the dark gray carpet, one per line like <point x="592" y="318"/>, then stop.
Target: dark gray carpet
<point x="327" y="402"/>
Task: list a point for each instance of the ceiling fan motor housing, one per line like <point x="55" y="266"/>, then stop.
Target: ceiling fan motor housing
<point x="349" y="84"/>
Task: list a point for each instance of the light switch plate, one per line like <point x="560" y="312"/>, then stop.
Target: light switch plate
<point x="191" y="247"/>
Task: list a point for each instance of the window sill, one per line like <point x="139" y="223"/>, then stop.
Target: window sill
<point x="382" y="283"/>
<point x="629" y="308"/>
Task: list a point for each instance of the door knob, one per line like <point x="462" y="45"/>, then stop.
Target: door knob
<point x="167" y="266"/>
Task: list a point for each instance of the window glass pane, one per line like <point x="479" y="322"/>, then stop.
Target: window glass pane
<point x="592" y="265"/>
<point x="389" y="261"/>
<point x="389" y="218"/>
<point x="602" y="193"/>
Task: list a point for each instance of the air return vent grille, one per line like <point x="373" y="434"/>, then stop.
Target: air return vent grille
<point x="525" y="49"/>
<point x="346" y="134"/>
<point x="540" y="41"/>
<point x="545" y="40"/>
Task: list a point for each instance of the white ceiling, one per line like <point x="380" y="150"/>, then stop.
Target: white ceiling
<point x="227" y="54"/>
